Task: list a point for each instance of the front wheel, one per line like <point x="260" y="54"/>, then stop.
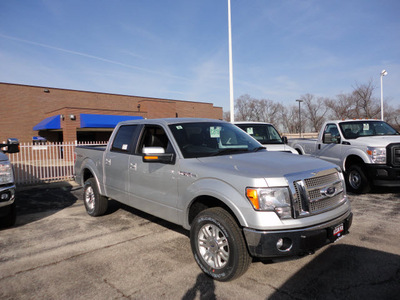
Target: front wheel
<point x="95" y="204"/>
<point x="357" y="181"/>
<point x="218" y="245"/>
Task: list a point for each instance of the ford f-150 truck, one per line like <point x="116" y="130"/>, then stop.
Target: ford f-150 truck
<point x="368" y="151"/>
<point x="267" y="135"/>
<point x="8" y="210"/>
<point x="238" y="200"/>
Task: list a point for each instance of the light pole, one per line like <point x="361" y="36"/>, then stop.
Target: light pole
<point x="383" y="73"/>
<point x="299" y="100"/>
<point x="232" y="108"/>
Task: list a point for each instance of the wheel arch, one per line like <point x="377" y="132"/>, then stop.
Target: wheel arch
<point x="204" y="202"/>
<point x="87" y="173"/>
<point x="352" y="160"/>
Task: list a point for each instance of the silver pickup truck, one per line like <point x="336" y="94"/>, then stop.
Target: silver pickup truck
<point x="8" y="210"/>
<point x="368" y="151"/>
<point x="238" y="200"/>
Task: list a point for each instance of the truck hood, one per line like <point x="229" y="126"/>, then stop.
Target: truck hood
<point x="264" y="164"/>
<point x="279" y="147"/>
<point x="376" y="141"/>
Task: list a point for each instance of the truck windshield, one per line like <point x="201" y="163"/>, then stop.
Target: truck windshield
<point x="205" y="139"/>
<point x="264" y="133"/>
<point x="353" y="130"/>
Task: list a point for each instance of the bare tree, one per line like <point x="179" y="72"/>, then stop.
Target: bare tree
<point x="366" y="105"/>
<point x="290" y="119"/>
<point x="251" y="109"/>
<point x="315" y="111"/>
<point x="227" y="116"/>
<point x="356" y="105"/>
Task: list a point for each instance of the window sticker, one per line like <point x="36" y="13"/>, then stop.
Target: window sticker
<point x="179" y="127"/>
<point x="125" y="147"/>
<point x="250" y="130"/>
<point x="365" y="126"/>
<point x="215" y="132"/>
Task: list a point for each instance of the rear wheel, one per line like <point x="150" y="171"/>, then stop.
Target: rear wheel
<point x="218" y="245"/>
<point x="95" y="204"/>
<point x="357" y="181"/>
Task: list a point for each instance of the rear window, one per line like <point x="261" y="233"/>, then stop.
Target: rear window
<point x="123" y="139"/>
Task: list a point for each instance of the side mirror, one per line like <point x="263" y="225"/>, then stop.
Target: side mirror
<point x="285" y="139"/>
<point x="12" y="146"/>
<point x="158" y="155"/>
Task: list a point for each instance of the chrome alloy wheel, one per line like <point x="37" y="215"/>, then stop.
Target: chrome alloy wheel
<point x="213" y="246"/>
<point x="89" y="197"/>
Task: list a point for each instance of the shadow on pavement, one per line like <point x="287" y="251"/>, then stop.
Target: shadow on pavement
<point x="204" y="286"/>
<point x="43" y="200"/>
<point x="345" y="272"/>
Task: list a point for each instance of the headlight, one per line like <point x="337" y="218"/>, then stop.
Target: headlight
<point x="377" y="155"/>
<point x="271" y="199"/>
<point x="6" y="173"/>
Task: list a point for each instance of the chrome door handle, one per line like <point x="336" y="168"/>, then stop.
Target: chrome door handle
<point x="108" y="161"/>
<point x="133" y="166"/>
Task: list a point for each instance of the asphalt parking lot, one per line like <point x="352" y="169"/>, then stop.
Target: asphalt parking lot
<point x="57" y="251"/>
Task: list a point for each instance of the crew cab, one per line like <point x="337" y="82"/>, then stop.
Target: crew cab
<point x="368" y="151"/>
<point x="238" y="200"/>
<point x="267" y="135"/>
<point x="8" y="210"/>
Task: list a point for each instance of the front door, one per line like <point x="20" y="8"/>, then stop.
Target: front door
<point x="330" y="148"/>
<point x="153" y="185"/>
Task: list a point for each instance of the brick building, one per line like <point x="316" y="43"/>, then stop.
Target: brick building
<point x="68" y="115"/>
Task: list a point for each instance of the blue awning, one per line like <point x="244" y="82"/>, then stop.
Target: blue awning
<point x="104" y="121"/>
<point x="49" y="123"/>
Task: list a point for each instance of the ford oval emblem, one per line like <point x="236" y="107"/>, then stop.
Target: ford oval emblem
<point x="329" y="192"/>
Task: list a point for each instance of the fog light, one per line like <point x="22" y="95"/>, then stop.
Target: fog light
<point x="284" y="244"/>
<point x="5" y="196"/>
<point x="382" y="172"/>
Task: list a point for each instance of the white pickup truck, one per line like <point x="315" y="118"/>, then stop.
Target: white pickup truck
<point x="368" y="151"/>
<point x="267" y="135"/>
<point x="238" y="200"/>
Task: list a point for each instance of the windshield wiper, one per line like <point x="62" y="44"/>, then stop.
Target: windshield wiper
<point x="230" y="150"/>
<point x="259" y="148"/>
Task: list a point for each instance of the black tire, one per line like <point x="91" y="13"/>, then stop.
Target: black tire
<point x="95" y="204"/>
<point x="218" y="245"/>
<point x="356" y="180"/>
<point x="9" y="219"/>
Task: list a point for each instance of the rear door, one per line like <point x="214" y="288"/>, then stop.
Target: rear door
<point x="116" y="163"/>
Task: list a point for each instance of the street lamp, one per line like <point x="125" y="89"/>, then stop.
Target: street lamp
<point x="383" y="73"/>
<point x="299" y="100"/>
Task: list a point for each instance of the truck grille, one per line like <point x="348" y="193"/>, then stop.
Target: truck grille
<point x="318" y="194"/>
<point x="394" y="150"/>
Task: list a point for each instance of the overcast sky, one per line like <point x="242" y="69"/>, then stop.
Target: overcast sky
<point x="178" y="49"/>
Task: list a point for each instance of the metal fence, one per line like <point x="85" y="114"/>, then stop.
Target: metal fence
<point x="44" y="163"/>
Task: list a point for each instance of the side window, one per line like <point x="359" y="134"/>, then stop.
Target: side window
<point x="123" y="139"/>
<point x="155" y="136"/>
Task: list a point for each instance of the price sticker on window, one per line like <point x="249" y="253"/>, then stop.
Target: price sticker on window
<point x="215" y="132"/>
